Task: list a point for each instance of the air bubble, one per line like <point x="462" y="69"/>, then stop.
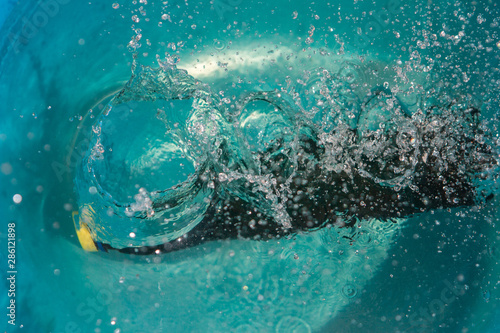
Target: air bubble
<point x="17" y="198"/>
<point x="349" y="291"/>
<point x="222" y="177"/>
<point x="219" y="45"/>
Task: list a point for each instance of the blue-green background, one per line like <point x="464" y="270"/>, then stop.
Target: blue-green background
<point x="79" y="55"/>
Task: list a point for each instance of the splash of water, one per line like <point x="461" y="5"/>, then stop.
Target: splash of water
<point x="167" y="154"/>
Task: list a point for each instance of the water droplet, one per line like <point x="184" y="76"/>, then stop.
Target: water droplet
<point x="219" y="45"/>
<point x="17" y="198"/>
<point x="486" y="295"/>
<point x="349" y="291"/>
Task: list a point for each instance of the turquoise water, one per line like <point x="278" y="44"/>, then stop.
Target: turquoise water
<point x="62" y="62"/>
<point x="6" y="6"/>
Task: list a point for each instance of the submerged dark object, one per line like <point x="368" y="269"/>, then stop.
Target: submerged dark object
<point x="444" y="174"/>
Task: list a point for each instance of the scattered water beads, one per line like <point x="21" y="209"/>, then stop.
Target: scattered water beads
<point x="325" y="151"/>
<point x="267" y="128"/>
<point x="328" y="99"/>
<point x="388" y="140"/>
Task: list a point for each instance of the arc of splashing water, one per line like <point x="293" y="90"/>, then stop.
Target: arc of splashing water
<point x="198" y="128"/>
<point x="389" y="110"/>
<point x="260" y="186"/>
